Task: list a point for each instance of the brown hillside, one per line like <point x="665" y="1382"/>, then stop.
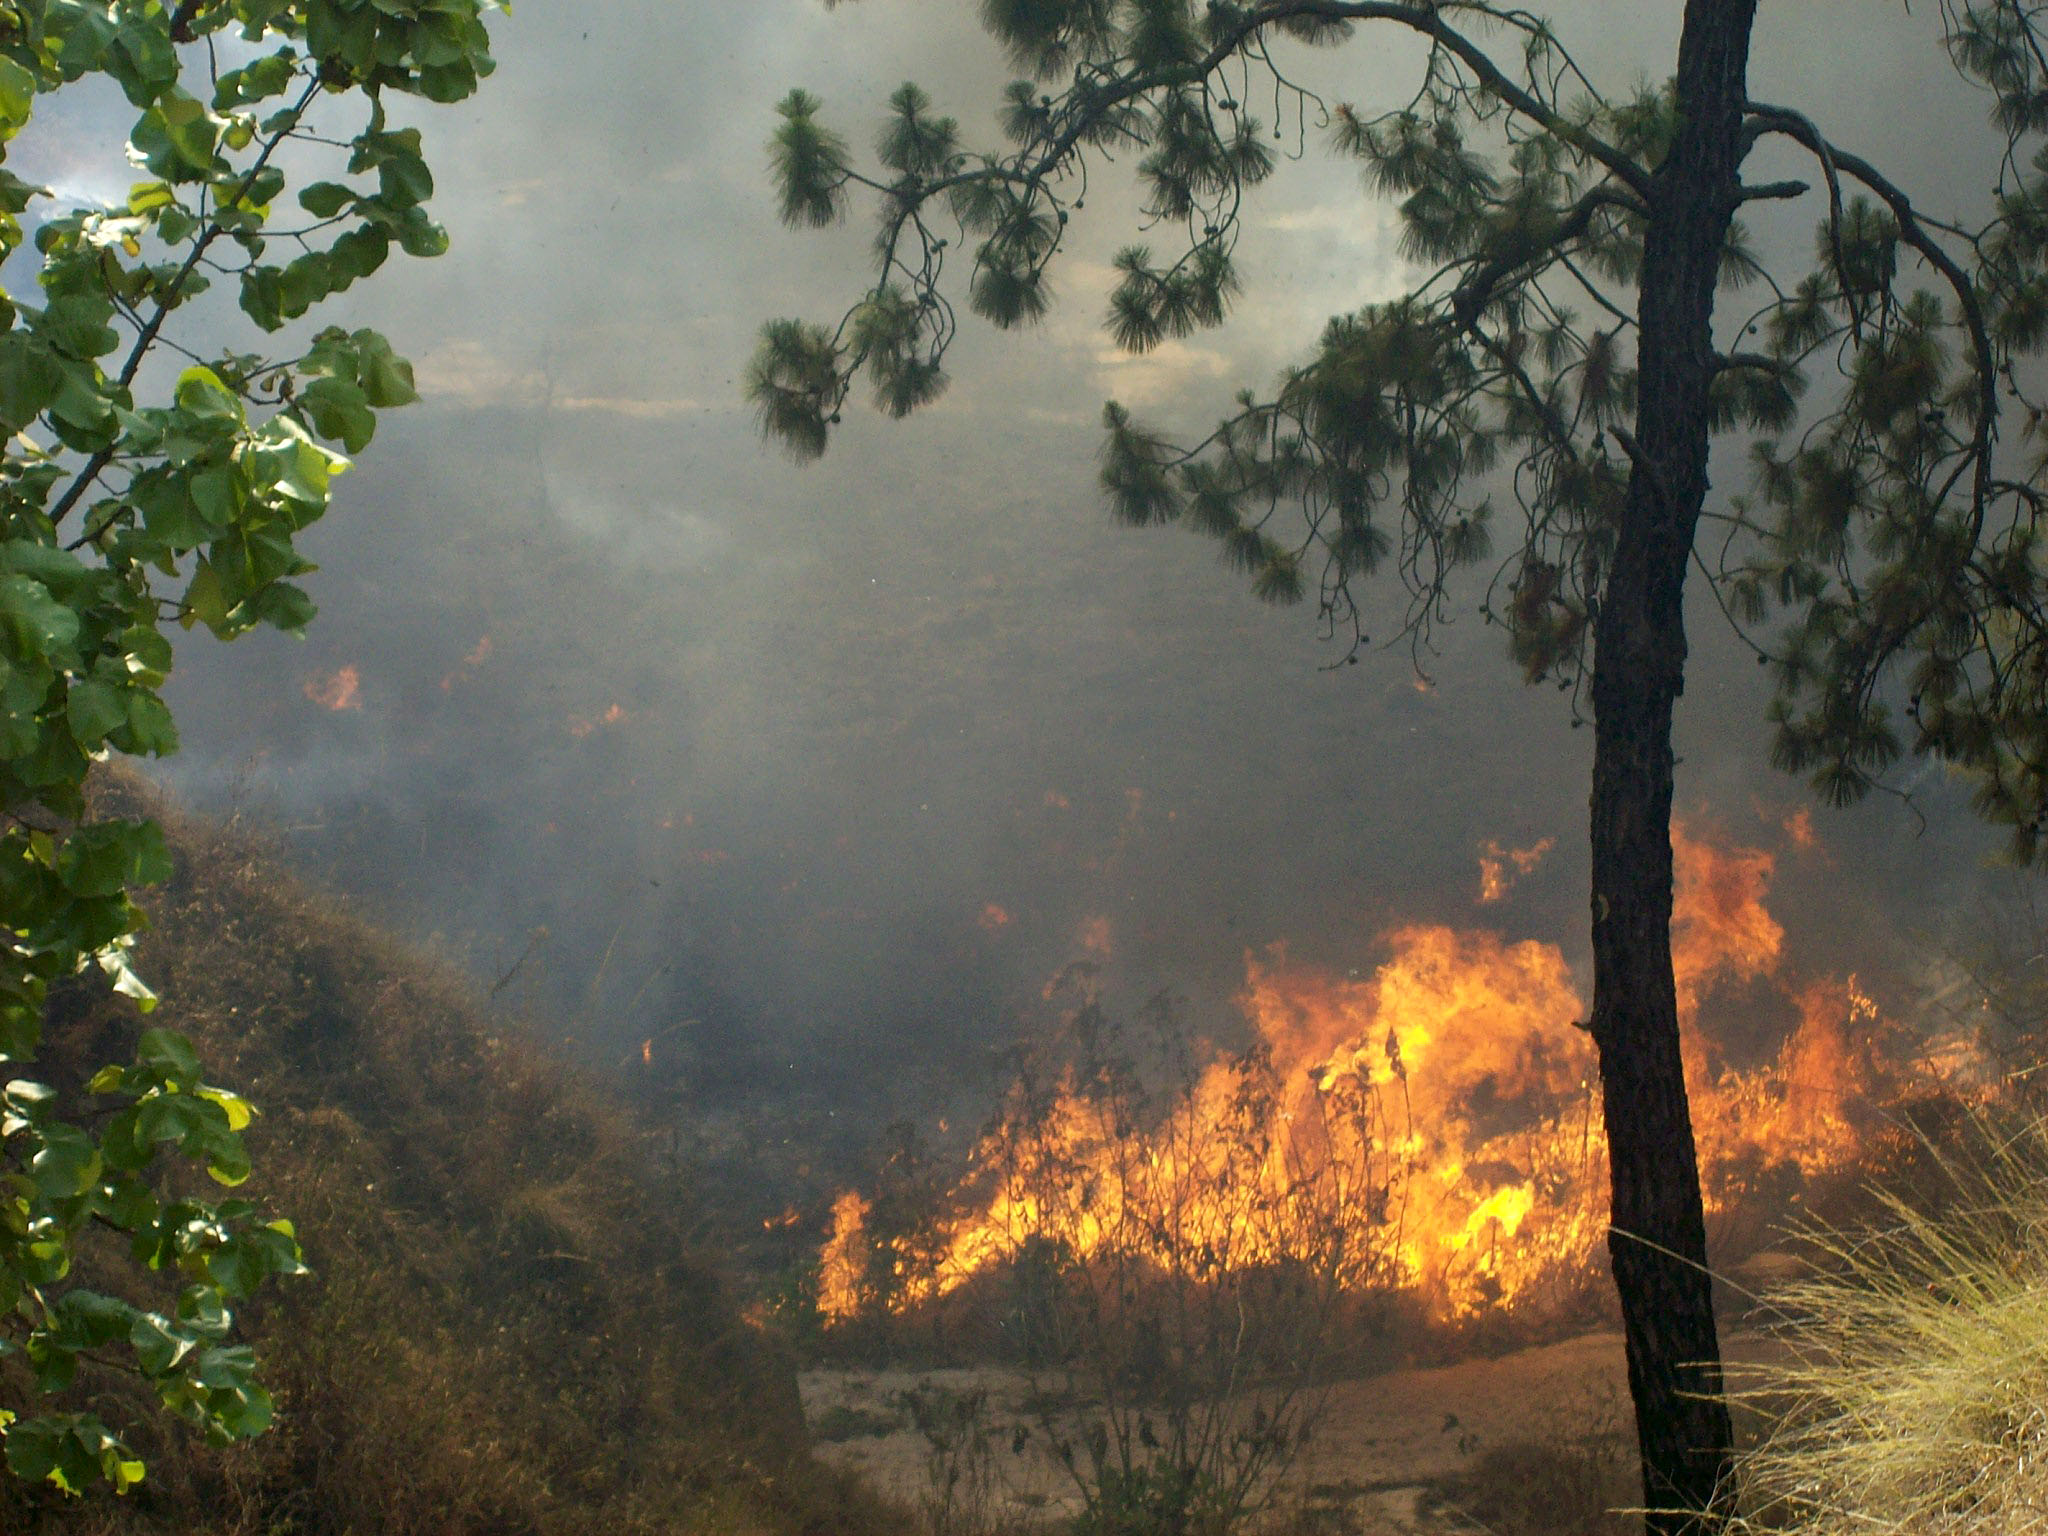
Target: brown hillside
<point x="510" y="1328"/>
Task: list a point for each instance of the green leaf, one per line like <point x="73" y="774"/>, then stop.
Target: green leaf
<point x="94" y="709"/>
<point x="238" y="1109"/>
<point x="339" y="409"/>
<point x="169" y="1056"/>
<point x="403" y="180"/>
<point x="32" y="1450"/>
<point x="93" y="1319"/>
<point x="106" y="858"/>
<point x="325" y="199"/>
<point x="303" y="283"/>
<point x="67" y="1165"/>
<point x="17" y="97"/>
<point x="151" y="732"/>
<point x="263" y="296"/>
<point x="385" y="377"/>
<point x="285" y="607"/>
<point x="76" y="324"/>
<point x="178" y="139"/>
<point x="143" y="59"/>
<point x="86" y="37"/>
<point x="205" y="601"/>
<point x="128" y="1202"/>
<point x="32" y="622"/>
<point x="126" y="981"/>
<point x="227" y="1162"/>
<point x="29" y="380"/>
<point x="257" y="80"/>
<point x="218" y="495"/>
<point x="243" y="1413"/>
<point x="419" y="235"/>
<point x="202" y="394"/>
<point x="159" y="1345"/>
<point x="194" y="131"/>
<point x="360" y="252"/>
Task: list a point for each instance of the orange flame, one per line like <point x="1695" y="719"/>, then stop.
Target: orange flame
<point x="1500" y="868"/>
<point x="477" y="656"/>
<point x="1798" y="828"/>
<point x="1445" y="1108"/>
<point x="344" y="690"/>
<point x="581" y="726"/>
<point x="1719" y="925"/>
<point x="843" y="1264"/>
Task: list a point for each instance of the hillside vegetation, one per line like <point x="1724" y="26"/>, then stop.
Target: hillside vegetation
<point x="510" y="1327"/>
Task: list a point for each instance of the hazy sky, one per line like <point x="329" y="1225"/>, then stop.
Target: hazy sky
<point x="825" y="769"/>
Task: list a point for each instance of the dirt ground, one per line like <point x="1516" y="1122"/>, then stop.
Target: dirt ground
<point x="1386" y="1457"/>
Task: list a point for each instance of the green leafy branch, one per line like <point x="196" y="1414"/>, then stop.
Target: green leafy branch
<point x="188" y="504"/>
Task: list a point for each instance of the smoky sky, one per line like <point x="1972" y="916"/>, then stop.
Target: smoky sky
<point x="814" y="774"/>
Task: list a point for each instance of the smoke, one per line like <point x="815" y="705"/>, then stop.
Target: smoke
<point x="723" y="766"/>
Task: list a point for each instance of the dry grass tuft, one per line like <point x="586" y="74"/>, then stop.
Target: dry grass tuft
<point x="1913" y="1399"/>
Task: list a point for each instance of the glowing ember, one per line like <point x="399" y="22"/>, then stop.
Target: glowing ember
<point x="478" y="655"/>
<point x="1799" y="828"/>
<point x="344" y="690"/>
<point x="581" y="726"/>
<point x="1443" y="1111"/>
<point x="1500" y="868"/>
<point x="992" y="917"/>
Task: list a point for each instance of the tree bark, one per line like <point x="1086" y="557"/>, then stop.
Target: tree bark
<point x="1658" y="1236"/>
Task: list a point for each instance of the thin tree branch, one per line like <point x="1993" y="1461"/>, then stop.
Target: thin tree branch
<point x="1769" y="119"/>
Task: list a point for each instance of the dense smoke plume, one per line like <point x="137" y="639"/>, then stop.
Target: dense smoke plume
<point x="755" y="780"/>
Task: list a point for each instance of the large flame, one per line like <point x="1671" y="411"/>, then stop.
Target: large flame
<point x="1440" y="1115"/>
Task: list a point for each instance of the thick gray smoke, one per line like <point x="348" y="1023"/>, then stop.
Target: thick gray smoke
<point x="813" y="775"/>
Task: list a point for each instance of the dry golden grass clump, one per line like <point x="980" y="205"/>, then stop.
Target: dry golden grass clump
<point x="1913" y="1396"/>
<point x="511" y="1328"/>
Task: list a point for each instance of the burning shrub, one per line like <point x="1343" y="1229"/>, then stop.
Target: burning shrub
<point x="1190" y="1245"/>
<point x="1436" y="1116"/>
<point x="1163" y="1247"/>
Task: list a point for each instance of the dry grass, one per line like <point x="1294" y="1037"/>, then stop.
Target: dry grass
<point x="1913" y="1400"/>
<point x="1577" y="1480"/>
<point x="511" y="1328"/>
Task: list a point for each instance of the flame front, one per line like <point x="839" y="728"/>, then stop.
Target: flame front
<point x="1433" y="1127"/>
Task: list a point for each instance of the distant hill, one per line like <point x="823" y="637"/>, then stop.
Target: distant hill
<point x="510" y="1328"/>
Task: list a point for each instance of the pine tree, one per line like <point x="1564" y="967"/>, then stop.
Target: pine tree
<point x="1563" y="355"/>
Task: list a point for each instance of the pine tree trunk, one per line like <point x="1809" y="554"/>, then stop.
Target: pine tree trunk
<point x="1658" y="1242"/>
